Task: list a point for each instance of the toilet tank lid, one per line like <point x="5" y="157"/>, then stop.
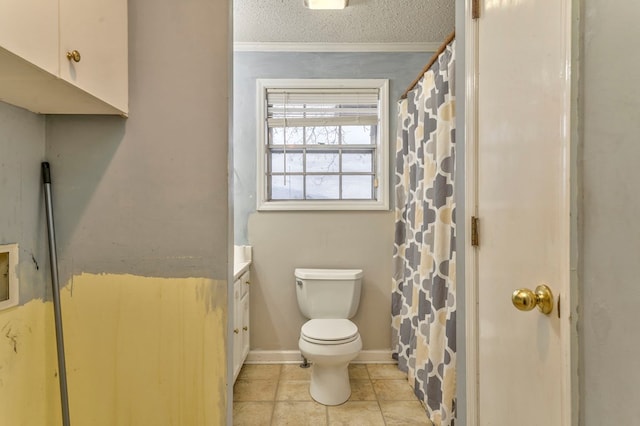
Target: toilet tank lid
<point x="328" y="274"/>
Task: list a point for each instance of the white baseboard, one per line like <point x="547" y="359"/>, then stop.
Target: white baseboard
<point x="375" y="357"/>
<point x="294" y="357"/>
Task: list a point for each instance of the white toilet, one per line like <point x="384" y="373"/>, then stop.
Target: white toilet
<point x="329" y="297"/>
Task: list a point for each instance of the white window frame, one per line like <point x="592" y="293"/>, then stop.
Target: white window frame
<point x="382" y="150"/>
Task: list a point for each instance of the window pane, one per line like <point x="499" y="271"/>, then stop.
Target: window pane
<point x="357" y="162"/>
<point x="286" y="187"/>
<point x="323" y="135"/>
<point x="294" y="162"/>
<point x="323" y="162"/>
<point x="358" y="135"/>
<point x="293" y="135"/>
<point x="323" y="187"/>
<point x="357" y="187"/>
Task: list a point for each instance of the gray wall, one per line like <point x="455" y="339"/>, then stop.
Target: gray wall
<point x="283" y="241"/>
<point x="399" y="68"/>
<point x="287" y="240"/>
<point x="138" y="200"/>
<point x="609" y="341"/>
<point x="147" y="195"/>
<point x="22" y="146"/>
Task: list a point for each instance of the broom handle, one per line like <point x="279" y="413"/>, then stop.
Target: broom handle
<point x="53" y="258"/>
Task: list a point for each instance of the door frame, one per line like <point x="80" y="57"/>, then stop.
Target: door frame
<point x="569" y="379"/>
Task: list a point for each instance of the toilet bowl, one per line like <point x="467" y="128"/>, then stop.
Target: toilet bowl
<point x="330" y="345"/>
<point x="329" y="297"/>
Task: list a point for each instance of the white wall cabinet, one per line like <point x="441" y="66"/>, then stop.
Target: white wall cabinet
<point x="240" y="322"/>
<point x="29" y="29"/>
<point x="35" y="73"/>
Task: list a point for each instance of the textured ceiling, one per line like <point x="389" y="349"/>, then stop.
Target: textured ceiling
<point x="363" y="21"/>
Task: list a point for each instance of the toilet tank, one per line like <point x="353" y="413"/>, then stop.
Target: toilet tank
<point x="328" y="293"/>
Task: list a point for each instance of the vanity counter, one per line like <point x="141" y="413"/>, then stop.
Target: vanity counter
<point x="241" y="260"/>
<point x="240" y="268"/>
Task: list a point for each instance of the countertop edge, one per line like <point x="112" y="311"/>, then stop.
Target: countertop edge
<point x="239" y="269"/>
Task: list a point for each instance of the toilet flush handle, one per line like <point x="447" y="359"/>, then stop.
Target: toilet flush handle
<point x="299" y="283"/>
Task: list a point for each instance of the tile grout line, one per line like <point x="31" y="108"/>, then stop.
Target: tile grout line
<point x="326" y="415"/>
<point x="275" y="395"/>
<point x="377" y="398"/>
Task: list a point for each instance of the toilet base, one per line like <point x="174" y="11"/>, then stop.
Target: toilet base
<point x="330" y="384"/>
<point x="330" y="369"/>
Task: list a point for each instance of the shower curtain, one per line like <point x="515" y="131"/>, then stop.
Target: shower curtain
<point x="424" y="259"/>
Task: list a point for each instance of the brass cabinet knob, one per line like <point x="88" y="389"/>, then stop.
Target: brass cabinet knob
<point x="245" y="328"/>
<point x="74" y="55"/>
<point x="247" y="283"/>
<point x="236" y="331"/>
<point x="525" y="299"/>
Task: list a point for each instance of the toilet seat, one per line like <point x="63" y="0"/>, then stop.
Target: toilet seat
<point x="329" y="331"/>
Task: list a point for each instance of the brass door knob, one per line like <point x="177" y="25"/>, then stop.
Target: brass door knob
<point x="236" y="331"/>
<point x="525" y="299"/>
<point x="74" y="55"/>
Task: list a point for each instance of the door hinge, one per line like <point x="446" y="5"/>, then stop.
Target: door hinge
<point x="475" y="239"/>
<point x="475" y="9"/>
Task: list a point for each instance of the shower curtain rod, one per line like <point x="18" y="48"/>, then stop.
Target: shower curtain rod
<point x="441" y="49"/>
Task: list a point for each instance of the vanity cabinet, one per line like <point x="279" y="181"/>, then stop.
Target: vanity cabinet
<point x="64" y="56"/>
<point x="240" y="322"/>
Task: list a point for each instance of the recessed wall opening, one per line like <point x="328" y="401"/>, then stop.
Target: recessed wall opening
<point x="8" y="275"/>
<point x="4" y="276"/>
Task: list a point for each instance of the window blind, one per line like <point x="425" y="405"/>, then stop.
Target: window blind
<point x="322" y="107"/>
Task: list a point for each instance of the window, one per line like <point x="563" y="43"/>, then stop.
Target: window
<point x="323" y="145"/>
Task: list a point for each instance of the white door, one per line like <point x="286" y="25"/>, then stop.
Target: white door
<point x="523" y="111"/>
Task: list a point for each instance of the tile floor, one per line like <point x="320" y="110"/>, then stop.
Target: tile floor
<point x="274" y="395"/>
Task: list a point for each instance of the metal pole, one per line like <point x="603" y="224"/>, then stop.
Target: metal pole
<point x="62" y="369"/>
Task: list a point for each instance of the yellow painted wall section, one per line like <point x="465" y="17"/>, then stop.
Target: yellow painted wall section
<point x="145" y="351"/>
<point x="140" y="351"/>
<point x="26" y="377"/>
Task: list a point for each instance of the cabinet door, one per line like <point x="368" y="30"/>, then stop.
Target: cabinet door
<point x="97" y="29"/>
<point x="244" y="304"/>
<point x="245" y="283"/>
<point x="29" y="29"/>
<point x="237" y="328"/>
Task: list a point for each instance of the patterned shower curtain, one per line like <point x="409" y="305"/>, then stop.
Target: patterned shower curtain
<point x="424" y="281"/>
